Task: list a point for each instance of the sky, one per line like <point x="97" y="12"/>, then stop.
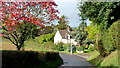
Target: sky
<point x="69" y="9"/>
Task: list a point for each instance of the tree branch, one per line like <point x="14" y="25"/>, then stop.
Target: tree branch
<point x="9" y="39"/>
<point x="12" y="36"/>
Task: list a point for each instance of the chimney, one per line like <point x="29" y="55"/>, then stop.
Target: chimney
<point x="68" y="28"/>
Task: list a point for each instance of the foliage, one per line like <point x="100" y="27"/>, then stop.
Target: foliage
<point x="46" y="38"/>
<point x="106" y="40"/>
<point x="99" y="44"/>
<point x="87" y="42"/>
<point x="92" y="30"/>
<point x="66" y="47"/>
<point x="104" y="29"/>
<point x="100" y="12"/>
<point x="23" y="18"/>
<point x="30" y="59"/>
<point x="111" y="37"/>
<point x="80" y="48"/>
<point x="73" y="49"/>
<point x="46" y="30"/>
<point x="61" y="47"/>
<point x="62" y="23"/>
<point x="80" y="34"/>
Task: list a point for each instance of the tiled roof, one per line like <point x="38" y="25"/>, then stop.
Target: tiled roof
<point x="64" y="33"/>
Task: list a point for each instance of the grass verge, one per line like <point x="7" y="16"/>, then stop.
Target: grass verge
<point x="110" y="61"/>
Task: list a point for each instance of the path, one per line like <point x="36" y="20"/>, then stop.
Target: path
<point x="73" y="61"/>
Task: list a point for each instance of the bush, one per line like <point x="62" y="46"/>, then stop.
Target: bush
<point x="60" y="46"/>
<point x="111" y="37"/>
<point x="63" y="47"/>
<point x="29" y="59"/>
<point x="51" y="45"/>
<point x="73" y="49"/>
<point x="66" y="47"/>
<point x="45" y="38"/>
<point x="81" y="48"/>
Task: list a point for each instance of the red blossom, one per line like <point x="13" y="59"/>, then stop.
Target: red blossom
<point x="9" y="29"/>
<point x="17" y="13"/>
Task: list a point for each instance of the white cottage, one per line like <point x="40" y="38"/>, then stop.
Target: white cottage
<point x="64" y="37"/>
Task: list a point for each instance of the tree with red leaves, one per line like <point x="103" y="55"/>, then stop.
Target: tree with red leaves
<point x="22" y="19"/>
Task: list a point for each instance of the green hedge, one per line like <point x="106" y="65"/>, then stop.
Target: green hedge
<point x="30" y="59"/>
<point x="110" y="38"/>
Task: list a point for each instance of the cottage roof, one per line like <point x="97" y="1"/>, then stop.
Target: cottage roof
<point x="64" y="33"/>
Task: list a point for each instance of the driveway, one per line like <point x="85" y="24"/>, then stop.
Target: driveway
<point x="73" y="61"/>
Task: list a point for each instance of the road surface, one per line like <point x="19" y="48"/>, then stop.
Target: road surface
<point x="73" y="61"/>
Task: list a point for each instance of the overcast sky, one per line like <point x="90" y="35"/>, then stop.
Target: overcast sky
<point x="69" y="9"/>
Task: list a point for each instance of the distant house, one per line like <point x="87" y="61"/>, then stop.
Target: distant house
<point x="64" y="36"/>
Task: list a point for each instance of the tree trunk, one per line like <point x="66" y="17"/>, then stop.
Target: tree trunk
<point x="18" y="47"/>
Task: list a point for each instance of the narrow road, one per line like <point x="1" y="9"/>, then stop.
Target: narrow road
<point x="73" y="61"/>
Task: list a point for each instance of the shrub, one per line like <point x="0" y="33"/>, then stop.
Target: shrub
<point x="73" y="49"/>
<point x="111" y="37"/>
<point x="45" y="38"/>
<point x="60" y="46"/>
<point x="66" y="47"/>
<point x="81" y="48"/>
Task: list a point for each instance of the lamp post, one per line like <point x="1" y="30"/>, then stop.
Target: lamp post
<point x="70" y="43"/>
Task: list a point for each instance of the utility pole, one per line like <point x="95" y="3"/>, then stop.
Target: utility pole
<point x="71" y="46"/>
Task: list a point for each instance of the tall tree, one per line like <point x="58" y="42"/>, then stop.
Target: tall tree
<point x="80" y="34"/>
<point x="100" y="12"/>
<point x="62" y="23"/>
<point x="22" y="19"/>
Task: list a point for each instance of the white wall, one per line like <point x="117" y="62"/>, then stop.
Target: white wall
<point x="73" y="41"/>
<point x="65" y="41"/>
<point x="69" y="41"/>
<point x="57" y="37"/>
